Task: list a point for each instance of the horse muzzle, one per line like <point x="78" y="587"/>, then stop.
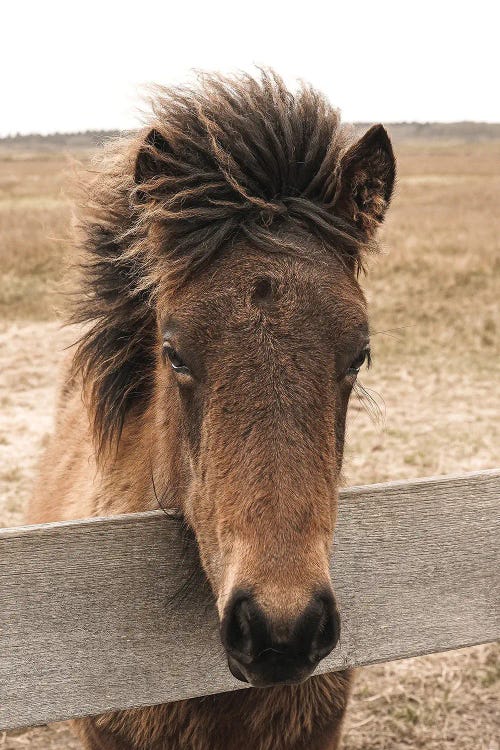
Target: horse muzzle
<point x="264" y="651"/>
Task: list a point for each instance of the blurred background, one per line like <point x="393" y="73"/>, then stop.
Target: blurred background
<point x="75" y="74"/>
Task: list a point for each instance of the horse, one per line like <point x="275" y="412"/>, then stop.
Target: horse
<point x="222" y="327"/>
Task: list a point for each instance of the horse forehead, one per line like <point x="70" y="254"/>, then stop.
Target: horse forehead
<point x="284" y="286"/>
<point x="299" y="299"/>
<point x="279" y="294"/>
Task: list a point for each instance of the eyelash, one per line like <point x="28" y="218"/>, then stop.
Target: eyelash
<point x="357" y="364"/>
<point x="176" y="362"/>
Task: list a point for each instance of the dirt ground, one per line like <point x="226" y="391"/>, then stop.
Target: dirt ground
<point x="434" y="295"/>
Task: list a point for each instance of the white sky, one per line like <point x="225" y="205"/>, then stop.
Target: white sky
<point x="67" y="66"/>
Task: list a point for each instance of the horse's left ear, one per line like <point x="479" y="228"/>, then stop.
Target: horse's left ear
<point x="152" y="157"/>
<point x="367" y="174"/>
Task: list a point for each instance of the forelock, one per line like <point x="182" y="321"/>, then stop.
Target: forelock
<point x="240" y="156"/>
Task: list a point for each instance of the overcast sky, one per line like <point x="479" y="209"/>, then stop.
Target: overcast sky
<point x="76" y="66"/>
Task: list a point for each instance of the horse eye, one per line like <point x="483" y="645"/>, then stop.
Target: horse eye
<point x="176" y="361"/>
<point x="357" y="364"/>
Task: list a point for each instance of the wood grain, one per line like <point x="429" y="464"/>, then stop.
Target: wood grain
<point x="90" y="620"/>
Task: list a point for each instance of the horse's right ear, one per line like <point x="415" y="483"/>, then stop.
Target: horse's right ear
<point x="151" y="157"/>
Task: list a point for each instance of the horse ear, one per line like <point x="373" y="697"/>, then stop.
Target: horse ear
<point x="368" y="171"/>
<point x="151" y="156"/>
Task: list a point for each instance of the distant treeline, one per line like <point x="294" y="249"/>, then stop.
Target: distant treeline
<point x="441" y="131"/>
<point x="400" y="131"/>
<point x="55" y="141"/>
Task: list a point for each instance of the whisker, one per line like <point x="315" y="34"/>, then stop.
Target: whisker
<point x="375" y="410"/>
<point x="170" y="512"/>
<point x="390" y="332"/>
<point x="195" y="581"/>
<point x="160" y="504"/>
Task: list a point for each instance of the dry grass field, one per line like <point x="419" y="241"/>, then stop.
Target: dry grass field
<point x="434" y="294"/>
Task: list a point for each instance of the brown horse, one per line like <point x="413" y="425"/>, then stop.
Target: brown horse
<point x="224" y="330"/>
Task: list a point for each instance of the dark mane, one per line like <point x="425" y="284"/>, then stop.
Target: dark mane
<point x="230" y="158"/>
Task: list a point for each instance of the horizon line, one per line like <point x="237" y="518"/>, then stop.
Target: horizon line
<point x="356" y="123"/>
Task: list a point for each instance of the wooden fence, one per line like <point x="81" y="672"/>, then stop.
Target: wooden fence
<point x="91" y="618"/>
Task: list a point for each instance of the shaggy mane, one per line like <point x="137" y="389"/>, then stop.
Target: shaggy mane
<point x="229" y="158"/>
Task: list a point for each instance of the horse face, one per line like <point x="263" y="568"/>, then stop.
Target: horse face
<point x="259" y="355"/>
<point x="224" y="330"/>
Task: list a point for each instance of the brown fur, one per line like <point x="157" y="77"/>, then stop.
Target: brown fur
<point x="289" y="718"/>
<point x="234" y="226"/>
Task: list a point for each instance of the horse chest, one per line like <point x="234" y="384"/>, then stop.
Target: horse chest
<point x="301" y="717"/>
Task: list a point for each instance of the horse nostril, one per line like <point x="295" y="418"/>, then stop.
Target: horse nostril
<point x="243" y="630"/>
<point x="321" y="626"/>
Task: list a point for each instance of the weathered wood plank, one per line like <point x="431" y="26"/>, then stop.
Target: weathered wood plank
<point x="87" y="621"/>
